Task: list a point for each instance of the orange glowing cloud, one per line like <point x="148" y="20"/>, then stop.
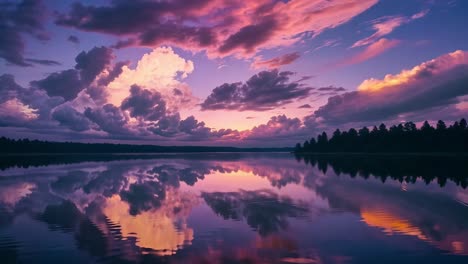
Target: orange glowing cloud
<point x="433" y="67"/>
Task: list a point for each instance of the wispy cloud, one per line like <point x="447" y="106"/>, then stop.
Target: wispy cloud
<point x="371" y="51"/>
<point x="385" y="25"/>
<point x="275" y="62"/>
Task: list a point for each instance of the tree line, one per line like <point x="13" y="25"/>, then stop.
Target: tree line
<point x="24" y="146"/>
<point x="398" y="138"/>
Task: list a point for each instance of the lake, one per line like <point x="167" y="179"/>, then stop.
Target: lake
<point x="234" y="208"/>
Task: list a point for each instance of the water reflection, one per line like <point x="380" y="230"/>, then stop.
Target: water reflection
<point x="237" y="208"/>
<point x="263" y="210"/>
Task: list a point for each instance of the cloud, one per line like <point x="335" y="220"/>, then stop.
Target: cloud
<point x="73" y="39"/>
<point x="14" y="111"/>
<point x="277" y="126"/>
<point x="69" y="83"/>
<point x="144" y="104"/>
<point x="305" y="106"/>
<point x="373" y="50"/>
<point x="221" y="28"/>
<point x="93" y="62"/>
<point x="385" y="25"/>
<point x="67" y="116"/>
<point x="263" y="91"/>
<point x="109" y="118"/>
<point x="331" y="89"/>
<point x="160" y="71"/>
<point x="276" y="62"/>
<point x="44" y="62"/>
<point x="24" y="106"/>
<point x="25" y="17"/>
<point x="435" y="83"/>
<point x="66" y="84"/>
<point x="167" y="126"/>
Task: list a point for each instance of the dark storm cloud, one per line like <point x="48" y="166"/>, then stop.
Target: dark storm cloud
<point x="26" y="17"/>
<point x="73" y="39"/>
<point x="278" y="61"/>
<point x="109" y="118"/>
<point x="144" y="104"/>
<point x="69" y="83"/>
<point x="263" y="91"/>
<point x="436" y="83"/>
<point x="67" y="116"/>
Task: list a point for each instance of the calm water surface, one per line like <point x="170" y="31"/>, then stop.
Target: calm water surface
<point x="236" y="208"/>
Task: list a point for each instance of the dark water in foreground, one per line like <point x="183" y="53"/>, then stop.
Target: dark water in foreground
<point x="237" y="208"/>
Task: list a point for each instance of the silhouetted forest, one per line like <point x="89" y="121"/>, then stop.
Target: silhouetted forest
<point x="398" y="138"/>
<point x="408" y="168"/>
<point x="36" y="146"/>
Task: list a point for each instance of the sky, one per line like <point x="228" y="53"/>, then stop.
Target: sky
<point x="265" y="73"/>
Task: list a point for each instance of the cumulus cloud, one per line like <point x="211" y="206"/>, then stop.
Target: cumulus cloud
<point x="162" y="71"/>
<point x="263" y="91"/>
<point x="69" y="83"/>
<point x="144" y="104"/>
<point x="221" y="28"/>
<point x="435" y="83"/>
<point x="14" y="111"/>
<point x="385" y="25"/>
<point x="109" y="118"/>
<point x="67" y="116"/>
<point x="21" y="106"/>
<point x="93" y="62"/>
<point x="276" y="126"/>
<point x="66" y="84"/>
<point x="279" y="128"/>
<point x="25" y="17"/>
<point x="276" y="62"/>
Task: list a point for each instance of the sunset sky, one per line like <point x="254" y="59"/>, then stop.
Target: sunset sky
<point x="227" y="72"/>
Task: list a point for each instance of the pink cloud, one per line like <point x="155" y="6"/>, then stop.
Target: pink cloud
<point x="221" y="28"/>
<point x="385" y="25"/>
<point x="373" y="50"/>
<point x="275" y="62"/>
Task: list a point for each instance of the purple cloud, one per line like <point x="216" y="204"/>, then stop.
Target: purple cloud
<point x="263" y="91"/>
<point x="25" y="17"/>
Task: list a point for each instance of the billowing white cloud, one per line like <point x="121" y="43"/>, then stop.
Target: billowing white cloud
<point x="162" y="71"/>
